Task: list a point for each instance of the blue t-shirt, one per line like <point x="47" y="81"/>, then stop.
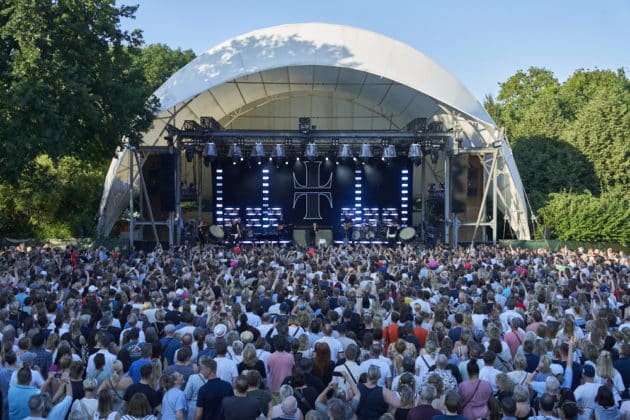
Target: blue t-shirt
<point x="173" y="400"/>
<point x="134" y="369"/>
<point x="18" y="397"/>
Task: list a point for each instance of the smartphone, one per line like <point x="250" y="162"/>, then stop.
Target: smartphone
<point x="58" y="375"/>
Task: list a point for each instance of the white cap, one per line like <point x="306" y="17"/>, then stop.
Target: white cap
<point x="556" y="369"/>
<point x="179" y="292"/>
<point x="92" y="289"/>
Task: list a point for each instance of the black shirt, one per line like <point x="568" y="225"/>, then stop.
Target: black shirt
<point x="154" y="397"/>
<point x="211" y="395"/>
<point x="240" y="408"/>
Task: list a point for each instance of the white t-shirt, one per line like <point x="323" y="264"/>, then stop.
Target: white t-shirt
<point x="226" y="369"/>
<point x="585" y="398"/>
<point x="334" y="345"/>
<point x="385" y="370"/>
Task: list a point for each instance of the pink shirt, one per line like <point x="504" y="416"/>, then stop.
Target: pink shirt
<point x="513" y="340"/>
<point x="280" y="365"/>
<point x="474" y="399"/>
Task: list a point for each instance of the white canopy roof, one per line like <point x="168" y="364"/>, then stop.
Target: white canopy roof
<point x="342" y="77"/>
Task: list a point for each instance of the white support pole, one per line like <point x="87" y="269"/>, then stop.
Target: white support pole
<point x="485" y="196"/>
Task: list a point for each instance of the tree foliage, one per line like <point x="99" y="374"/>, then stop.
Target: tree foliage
<point x="570" y="143"/>
<point x="69" y="85"/>
<point x="52" y="200"/>
<point x="585" y="217"/>
<point x="158" y="62"/>
<point x="72" y="84"/>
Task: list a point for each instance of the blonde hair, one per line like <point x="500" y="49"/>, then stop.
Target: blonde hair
<point x="249" y="355"/>
<point x="545" y="363"/>
<point x="117" y="368"/>
<point x="605" y="366"/>
<point x="407" y="396"/>
<point x="156" y="373"/>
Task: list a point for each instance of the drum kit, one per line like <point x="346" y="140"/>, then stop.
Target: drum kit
<point x="365" y="232"/>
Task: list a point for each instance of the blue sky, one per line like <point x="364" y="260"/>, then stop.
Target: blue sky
<point x="481" y="42"/>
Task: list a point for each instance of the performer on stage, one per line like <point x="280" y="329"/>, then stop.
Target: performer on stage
<point x="347" y="228"/>
<point x="201" y="234"/>
<point x="311" y="237"/>
<point x="282" y="228"/>
<point x="235" y="231"/>
<point x="392" y="232"/>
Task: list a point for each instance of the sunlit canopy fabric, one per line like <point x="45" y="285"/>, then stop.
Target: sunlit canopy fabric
<point x="342" y="77"/>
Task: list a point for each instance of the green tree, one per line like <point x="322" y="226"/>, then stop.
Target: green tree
<point x="601" y="130"/>
<point x="72" y="84"/>
<point x="520" y="91"/>
<point x="158" y="62"/>
<point x="570" y="145"/>
<point x="69" y="87"/>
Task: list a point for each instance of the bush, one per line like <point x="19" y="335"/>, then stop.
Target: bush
<point x="585" y="217"/>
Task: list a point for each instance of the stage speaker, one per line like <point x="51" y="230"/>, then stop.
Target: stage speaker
<point x="459" y="178"/>
<point x="167" y="182"/>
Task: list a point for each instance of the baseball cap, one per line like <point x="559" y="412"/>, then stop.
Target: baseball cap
<point x="556" y="369"/>
<point x="92" y="289"/>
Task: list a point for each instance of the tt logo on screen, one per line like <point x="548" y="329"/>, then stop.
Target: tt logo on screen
<point x="312" y="190"/>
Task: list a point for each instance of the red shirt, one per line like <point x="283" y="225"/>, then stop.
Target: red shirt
<point x="421" y="334"/>
<point x="390" y="335"/>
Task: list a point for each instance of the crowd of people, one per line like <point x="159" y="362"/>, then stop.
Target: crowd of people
<point x="337" y="332"/>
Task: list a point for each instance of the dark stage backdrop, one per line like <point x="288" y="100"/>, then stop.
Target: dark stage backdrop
<point x="314" y="191"/>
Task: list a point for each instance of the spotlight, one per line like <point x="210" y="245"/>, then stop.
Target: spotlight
<point x="235" y="151"/>
<point x="415" y="153"/>
<point x="278" y="152"/>
<point x="389" y="153"/>
<point x="366" y="152"/>
<point x="209" y="153"/>
<point x="258" y="153"/>
<point x="311" y="151"/>
<point x="345" y="153"/>
<point x="497" y="144"/>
